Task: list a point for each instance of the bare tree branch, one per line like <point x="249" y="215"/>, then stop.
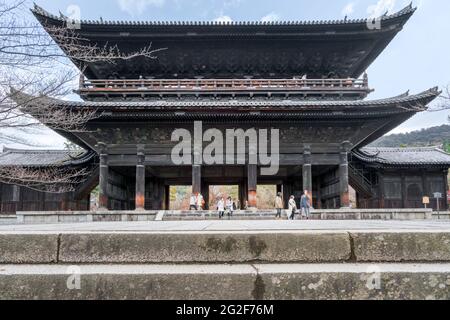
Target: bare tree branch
<point x="36" y="70"/>
<point x="443" y="102"/>
<point x="48" y="179"/>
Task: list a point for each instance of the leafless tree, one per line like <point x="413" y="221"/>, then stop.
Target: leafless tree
<point x="443" y="103"/>
<point x="34" y="72"/>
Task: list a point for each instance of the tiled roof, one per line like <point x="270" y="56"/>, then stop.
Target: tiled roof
<point x="41" y="158"/>
<point x="404" y="156"/>
<point x="405" y="11"/>
<point x="405" y="101"/>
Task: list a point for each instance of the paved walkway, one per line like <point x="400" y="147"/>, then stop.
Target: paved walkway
<point x="193" y="226"/>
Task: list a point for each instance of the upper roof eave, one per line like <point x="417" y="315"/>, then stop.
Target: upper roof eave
<point x="403" y="14"/>
<point x="44" y="158"/>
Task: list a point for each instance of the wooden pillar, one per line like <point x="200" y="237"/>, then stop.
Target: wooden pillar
<point x="445" y="190"/>
<point x="16" y="198"/>
<point x="279" y="188"/>
<point x="196" y="179"/>
<point x="343" y="178"/>
<point x="165" y="202"/>
<point x="103" y="178"/>
<point x="307" y="170"/>
<point x="425" y="184"/>
<point x="243" y="194"/>
<point x="140" y="179"/>
<point x="252" y="181"/>
<point x="319" y="194"/>
<point x="381" y="189"/>
<point x="205" y="194"/>
<point x="404" y="192"/>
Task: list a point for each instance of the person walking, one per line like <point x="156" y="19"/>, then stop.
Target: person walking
<point x="221" y="207"/>
<point x="193" y="202"/>
<point x="200" y="202"/>
<point x="230" y="207"/>
<point x="292" y="208"/>
<point x="305" y="205"/>
<point x="279" y="205"/>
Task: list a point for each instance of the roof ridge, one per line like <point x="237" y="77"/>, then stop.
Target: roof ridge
<point x="430" y="155"/>
<point x="18" y="150"/>
<point x="439" y="149"/>
<point x="406" y="10"/>
<point x="396" y="149"/>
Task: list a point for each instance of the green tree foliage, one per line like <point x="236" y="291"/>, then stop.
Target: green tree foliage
<point x="436" y="136"/>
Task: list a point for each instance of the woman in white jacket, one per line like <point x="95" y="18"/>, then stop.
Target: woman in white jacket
<point x="229" y="207"/>
<point x="221" y="207"/>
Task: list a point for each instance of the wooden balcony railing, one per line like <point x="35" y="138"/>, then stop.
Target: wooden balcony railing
<point x="358" y="87"/>
<point x="222" y="84"/>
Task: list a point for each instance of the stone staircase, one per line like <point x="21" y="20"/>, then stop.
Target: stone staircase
<point x="225" y="265"/>
<point x="58" y="217"/>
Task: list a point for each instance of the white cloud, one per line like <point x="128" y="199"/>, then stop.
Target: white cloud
<point x="137" y="7"/>
<point x="231" y="3"/>
<point x="381" y="7"/>
<point x="348" y="9"/>
<point x="270" y="17"/>
<point x="224" y="18"/>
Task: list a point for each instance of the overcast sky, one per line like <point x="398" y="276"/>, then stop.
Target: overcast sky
<point x="417" y="59"/>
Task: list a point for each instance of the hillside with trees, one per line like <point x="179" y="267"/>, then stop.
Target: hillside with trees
<point x="436" y="136"/>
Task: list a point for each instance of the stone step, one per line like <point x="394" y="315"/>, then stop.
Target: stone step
<point x="54" y="217"/>
<point x="227" y="282"/>
<point x="28" y="247"/>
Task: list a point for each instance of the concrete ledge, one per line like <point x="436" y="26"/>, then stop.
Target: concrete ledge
<point x="54" y="217"/>
<point x="227" y="282"/>
<point x="224" y="247"/>
<point x="374" y="214"/>
<point x="401" y="246"/>
<point x="441" y="216"/>
<point x="355" y="281"/>
<point x="214" y="215"/>
<point x="204" y="247"/>
<point x="28" y="248"/>
<point x="8" y="219"/>
<point x="106" y="282"/>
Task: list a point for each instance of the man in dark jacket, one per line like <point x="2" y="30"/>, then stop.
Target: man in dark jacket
<point x="305" y="204"/>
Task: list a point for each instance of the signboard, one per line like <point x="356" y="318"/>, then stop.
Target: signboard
<point x="437" y="195"/>
<point x="426" y="200"/>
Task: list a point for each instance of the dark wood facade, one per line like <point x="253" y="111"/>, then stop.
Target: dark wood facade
<point x="298" y="78"/>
